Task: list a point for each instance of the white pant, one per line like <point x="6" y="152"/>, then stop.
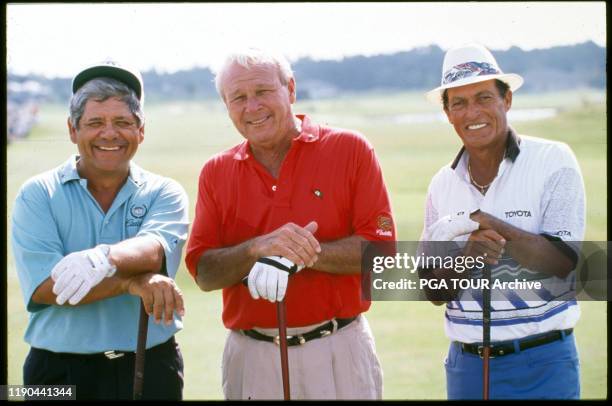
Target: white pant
<point x="342" y="365"/>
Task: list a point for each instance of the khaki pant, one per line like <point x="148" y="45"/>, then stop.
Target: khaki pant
<point x="342" y="365"/>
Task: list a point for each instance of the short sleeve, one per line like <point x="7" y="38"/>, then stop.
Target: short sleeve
<point x="563" y="205"/>
<point x="431" y="213"/>
<point x="35" y="240"/>
<point x="206" y="224"/>
<point x="168" y="222"/>
<point x="372" y="217"/>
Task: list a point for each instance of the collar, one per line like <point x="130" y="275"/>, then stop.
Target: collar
<point x="310" y="133"/>
<point x="513" y="142"/>
<point x="68" y="171"/>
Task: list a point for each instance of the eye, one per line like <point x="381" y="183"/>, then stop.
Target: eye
<point x="94" y="124"/>
<point x="238" y="99"/>
<point x="457" y="104"/>
<point x="123" y="123"/>
<point x="485" y="97"/>
<point x="263" y="92"/>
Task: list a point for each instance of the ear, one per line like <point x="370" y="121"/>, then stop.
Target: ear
<point x="508" y="100"/>
<point x="141" y="134"/>
<point x="72" y="131"/>
<point x="291" y="87"/>
<point x="448" y="116"/>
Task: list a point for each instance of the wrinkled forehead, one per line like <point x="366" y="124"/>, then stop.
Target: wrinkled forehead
<point x="112" y="106"/>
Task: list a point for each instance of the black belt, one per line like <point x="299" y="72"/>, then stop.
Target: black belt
<point x="499" y="350"/>
<point x="168" y="345"/>
<point x="300" y="339"/>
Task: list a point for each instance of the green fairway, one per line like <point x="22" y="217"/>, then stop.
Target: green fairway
<point x="181" y="136"/>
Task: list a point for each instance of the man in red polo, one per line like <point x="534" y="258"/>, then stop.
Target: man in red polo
<point x="311" y="194"/>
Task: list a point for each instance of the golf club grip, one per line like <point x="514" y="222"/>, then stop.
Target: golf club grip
<point x="282" y="332"/>
<point x="486" y="351"/>
<point x="141" y="347"/>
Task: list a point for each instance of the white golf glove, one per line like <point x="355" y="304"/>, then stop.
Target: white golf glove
<point x="77" y="273"/>
<point x="269" y="277"/>
<point x="452" y="226"/>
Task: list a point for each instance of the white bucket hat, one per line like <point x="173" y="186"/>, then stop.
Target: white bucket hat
<point x="469" y="64"/>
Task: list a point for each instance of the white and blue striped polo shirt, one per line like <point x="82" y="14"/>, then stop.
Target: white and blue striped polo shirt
<point x="539" y="189"/>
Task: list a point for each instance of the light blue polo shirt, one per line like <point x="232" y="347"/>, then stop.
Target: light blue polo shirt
<point x="55" y="214"/>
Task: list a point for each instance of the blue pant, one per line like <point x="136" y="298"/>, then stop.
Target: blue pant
<point x="549" y="371"/>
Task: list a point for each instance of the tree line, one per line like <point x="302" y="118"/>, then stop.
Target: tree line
<point x="556" y="68"/>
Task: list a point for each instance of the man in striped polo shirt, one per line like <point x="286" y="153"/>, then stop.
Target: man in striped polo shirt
<point x="519" y="203"/>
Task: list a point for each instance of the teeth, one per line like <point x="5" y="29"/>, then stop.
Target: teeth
<point x="109" y="148"/>
<point x="259" y="121"/>
<point x="476" y="126"/>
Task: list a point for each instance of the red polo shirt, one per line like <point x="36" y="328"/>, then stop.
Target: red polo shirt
<point x="330" y="176"/>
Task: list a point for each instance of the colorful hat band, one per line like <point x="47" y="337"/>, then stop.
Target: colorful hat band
<point x="469" y="69"/>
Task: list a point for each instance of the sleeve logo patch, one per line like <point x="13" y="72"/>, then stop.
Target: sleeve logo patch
<point x="385" y="226"/>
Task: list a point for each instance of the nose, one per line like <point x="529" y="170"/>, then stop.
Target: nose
<point x="252" y="104"/>
<point x="472" y="110"/>
<point x="109" y="131"/>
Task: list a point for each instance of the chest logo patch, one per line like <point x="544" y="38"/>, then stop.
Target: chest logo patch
<point x="518" y="213"/>
<point x="138" y="211"/>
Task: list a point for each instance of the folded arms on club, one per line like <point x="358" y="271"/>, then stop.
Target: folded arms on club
<point x="223" y="267"/>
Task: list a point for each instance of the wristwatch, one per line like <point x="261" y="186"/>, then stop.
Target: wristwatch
<point x="105" y="248"/>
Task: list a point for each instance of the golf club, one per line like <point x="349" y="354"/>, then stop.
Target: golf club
<point x="282" y="333"/>
<point x="141" y="347"/>
<point x="486" y="333"/>
<point x="282" y="342"/>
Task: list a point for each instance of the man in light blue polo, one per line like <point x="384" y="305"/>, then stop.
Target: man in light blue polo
<point x="90" y="239"/>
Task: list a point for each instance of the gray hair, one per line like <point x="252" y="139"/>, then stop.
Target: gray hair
<point x="101" y="89"/>
<point x="253" y="57"/>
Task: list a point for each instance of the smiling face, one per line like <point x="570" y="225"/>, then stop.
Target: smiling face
<point x="478" y="114"/>
<point x="107" y="137"/>
<point x="258" y="103"/>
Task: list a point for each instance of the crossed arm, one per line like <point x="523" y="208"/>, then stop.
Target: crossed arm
<point x="532" y="251"/>
<point x="139" y="261"/>
<point x="223" y="267"/>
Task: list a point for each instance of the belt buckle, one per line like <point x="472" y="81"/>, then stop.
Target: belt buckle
<point x="113" y="354"/>
<point x="276" y="339"/>
<point x="481" y="350"/>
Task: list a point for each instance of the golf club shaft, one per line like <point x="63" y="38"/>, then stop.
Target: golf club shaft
<point x="485" y="371"/>
<point x="282" y="333"/>
<point x="141" y="347"/>
<point x="486" y="334"/>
